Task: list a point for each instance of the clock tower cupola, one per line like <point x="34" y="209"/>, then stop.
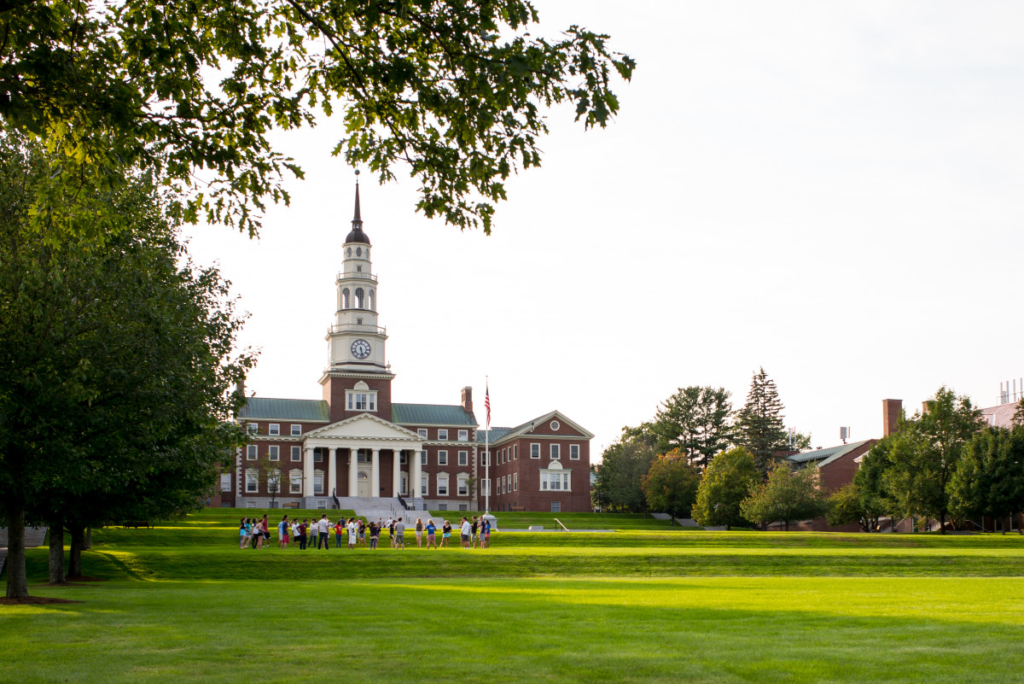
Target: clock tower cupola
<point x="355" y="341"/>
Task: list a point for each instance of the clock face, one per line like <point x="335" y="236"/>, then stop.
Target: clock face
<point x="360" y="349"/>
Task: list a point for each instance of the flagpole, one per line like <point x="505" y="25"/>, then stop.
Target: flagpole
<point x="487" y="448"/>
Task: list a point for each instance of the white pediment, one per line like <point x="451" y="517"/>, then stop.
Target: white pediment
<point x="365" y="426"/>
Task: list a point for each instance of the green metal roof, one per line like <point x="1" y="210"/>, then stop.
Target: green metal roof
<point x="285" y="409"/>
<point x="491" y="436"/>
<point x="825" y="456"/>
<point x="431" y="414"/>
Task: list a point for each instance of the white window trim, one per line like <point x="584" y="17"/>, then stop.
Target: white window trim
<point x="442" y="481"/>
<point x="371" y="400"/>
<point x="515" y="482"/>
<point x="252" y="477"/>
<point x="554" y="425"/>
<point x="575" y="447"/>
<point x="252" y="428"/>
<point x="462" y="485"/>
<point x="251" y="452"/>
<point x="515" y="452"/>
<point x="274" y="429"/>
<point x="424" y="484"/>
<point x="463" y="435"/>
<point x="537" y="449"/>
<point x="318" y="474"/>
<point x="485" y="487"/>
<point x="423" y="457"/>
<point x="296" y="454"/>
<point x="442" y="434"/>
<point x="294" y="481"/>
<point x="564" y="477"/>
<point x="274" y="452"/>
<point x="423" y="432"/>
<point x="296" y="430"/>
<point x="223" y="487"/>
<point x="442" y="457"/>
<point x="463" y="458"/>
<point x="555" y="452"/>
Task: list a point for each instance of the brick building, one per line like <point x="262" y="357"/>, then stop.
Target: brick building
<point x="356" y="443"/>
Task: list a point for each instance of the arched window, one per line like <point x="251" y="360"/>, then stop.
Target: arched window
<point x="345" y="298"/>
<point x="372" y="306"/>
<point x="359" y="298"/>
<point x="350" y="251"/>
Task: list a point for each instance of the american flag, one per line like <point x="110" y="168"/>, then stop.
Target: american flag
<point x="487" y="404"/>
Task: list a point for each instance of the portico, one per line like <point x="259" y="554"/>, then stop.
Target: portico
<point x="367" y="445"/>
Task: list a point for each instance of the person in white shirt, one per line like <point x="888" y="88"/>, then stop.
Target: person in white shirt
<point x="466" y="531"/>
<point x="353" y="530"/>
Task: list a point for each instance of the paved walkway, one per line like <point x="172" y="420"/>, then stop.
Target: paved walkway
<point x="34" y="536"/>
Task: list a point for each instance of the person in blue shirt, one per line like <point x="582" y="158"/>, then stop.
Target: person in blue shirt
<point x="431" y="529"/>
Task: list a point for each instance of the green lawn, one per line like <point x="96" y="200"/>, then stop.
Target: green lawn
<point x="645" y="604"/>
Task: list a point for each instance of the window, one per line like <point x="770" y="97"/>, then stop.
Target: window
<point x="225" y="482"/>
<point x="442" y="435"/>
<point x="274" y="428"/>
<point x="463" y="507"/>
<point x="556" y="451"/>
<point x="556" y="506"/>
<point x="359" y="297"/>
<point x="554" y="481"/>
<point x="405" y="485"/>
<point x="275" y="452"/>
<point x="318" y="482"/>
<point x="422" y="432"/>
<point x="373" y="306"/>
<point x="554" y="426"/>
<point x="442" y="484"/>
<point x="501" y="457"/>
<point x="515" y="482"/>
<point x="424" y="484"/>
<point x="296" y="430"/>
<point x="250" y="504"/>
<point x="296" y="453"/>
<point x="362" y="456"/>
<point x="442" y="507"/>
<point x="463" y="435"/>
<point x="252" y="482"/>
<point x="321" y="504"/>
<point x="442" y="458"/>
<point x="515" y="452"/>
<point x="250" y="452"/>
<point x="485" y="458"/>
<point x="535" y="451"/>
<point x="423" y="458"/>
<point x="463" y="486"/>
<point x="346" y="302"/>
<point x="361" y="400"/>
<point x="295" y="481"/>
<point x="574" y="452"/>
<point x="318" y="457"/>
<point x="485" y="487"/>
<point x="463" y="458"/>
<point x="501" y="485"/>
<point x="403" y="458"/>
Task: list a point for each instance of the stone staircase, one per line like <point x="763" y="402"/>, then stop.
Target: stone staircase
<point x="34" y="536"/>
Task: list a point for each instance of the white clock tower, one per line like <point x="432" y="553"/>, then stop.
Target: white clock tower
<point x="355" y="342"/>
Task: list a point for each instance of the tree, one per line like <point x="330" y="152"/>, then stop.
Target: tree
<point x="786" y="496"/>
<point x="670" y="486"/>
<point x="619" y="482"/>
<point x="990" y="478"/>
<point x="926" y="452"/>
<point x="728" y="480"/>
<point x="759" y="425"/>
<point x="115" y="364"/>
<point x="456" y="91"/>
<point x="875" y="498"/>
<point x="696" y="421"/>
<point x="846" y="505"/>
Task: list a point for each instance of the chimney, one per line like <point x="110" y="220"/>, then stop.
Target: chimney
<point x="467" y="399"/>
<point x="892" y="409"/>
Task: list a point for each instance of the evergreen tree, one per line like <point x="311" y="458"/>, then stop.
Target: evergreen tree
<point x="759" y="425"/>
<point x="728" y="480"/>
<point x="695" y="420"/>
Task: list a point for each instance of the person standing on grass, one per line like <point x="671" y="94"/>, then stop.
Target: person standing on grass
<point x="399" y="534"/>
<point x="475" y="532"/>
<point x="295" y="532"/>
<point x="266" y="529"/>
<point x="243" y="534"/>
<point x="302" y="535"/>
<point x="339" y="530"/>
<point x="485" y="534"/>
<point x="419" y="533"/>
<point x="446" y="533"/>
<point x="431" y="529"/>
<point x="353" y="533"/>
<point x="325" y="527"/>
<point x="361" y="530"/>
<point x="374" y="535"/>
<point x="464" y="532"/>
<point x="282" y="533"/>
<point x="391" y="531"/>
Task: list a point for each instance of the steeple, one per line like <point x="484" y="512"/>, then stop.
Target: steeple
<point x="357" y="234"/>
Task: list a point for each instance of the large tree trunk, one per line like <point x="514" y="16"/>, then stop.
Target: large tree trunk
<point x="77" y="540"/>
<point x="17" y="584"/>
<point x="57" y="575"/>
<point x="942" y="522"/>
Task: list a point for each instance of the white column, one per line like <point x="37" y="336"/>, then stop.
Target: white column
<point x="375" y="475"/>
<point x="307" y="473"/>
<point x="353" y="471"/>
<point x="396" y="474"/>
<point x="332" y="472"/>
<point x="415" y="474"/>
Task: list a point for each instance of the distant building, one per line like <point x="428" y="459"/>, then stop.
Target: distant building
<point x="356" y="443"/>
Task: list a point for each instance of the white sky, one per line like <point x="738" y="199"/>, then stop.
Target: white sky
<point x="830" y="190"/>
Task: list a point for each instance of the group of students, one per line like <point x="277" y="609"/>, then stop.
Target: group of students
<point x="316" y="534"/>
